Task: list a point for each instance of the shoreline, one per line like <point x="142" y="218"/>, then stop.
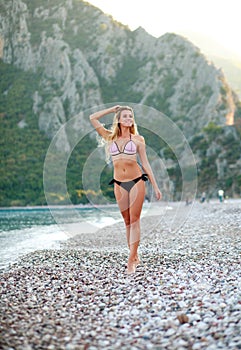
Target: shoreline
<point x="61" y="206"/>
<point x="184" y="295"/>
<point x="111" y="205"/>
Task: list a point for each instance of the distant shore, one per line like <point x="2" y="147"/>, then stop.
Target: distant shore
<point x="184" y="295"/>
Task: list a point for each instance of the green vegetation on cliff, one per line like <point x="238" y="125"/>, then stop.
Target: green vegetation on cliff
<point x="74" y="57"/>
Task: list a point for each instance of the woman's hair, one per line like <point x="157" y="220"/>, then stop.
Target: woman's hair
<point x="116" y="129"/>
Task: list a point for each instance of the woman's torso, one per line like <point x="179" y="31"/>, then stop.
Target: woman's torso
<point x="124" y="158"/>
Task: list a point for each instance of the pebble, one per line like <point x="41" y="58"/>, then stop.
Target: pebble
<point x="185" y="293"/>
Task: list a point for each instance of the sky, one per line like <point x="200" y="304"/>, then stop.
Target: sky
<point x="206" y="22"/>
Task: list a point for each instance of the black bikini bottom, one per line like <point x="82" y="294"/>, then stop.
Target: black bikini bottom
<point x="127" y="185"/>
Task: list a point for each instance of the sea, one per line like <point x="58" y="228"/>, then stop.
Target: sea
<point x="24" y="230"/>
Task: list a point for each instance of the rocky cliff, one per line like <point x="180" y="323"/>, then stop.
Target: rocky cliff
<point x="83" y="58"/>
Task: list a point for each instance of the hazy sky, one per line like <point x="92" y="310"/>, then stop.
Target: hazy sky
<point x="218" y="20"/>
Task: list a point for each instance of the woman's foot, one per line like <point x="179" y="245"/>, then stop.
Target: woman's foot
<point x="137" y="261"/>
<point x="131" y="268"/>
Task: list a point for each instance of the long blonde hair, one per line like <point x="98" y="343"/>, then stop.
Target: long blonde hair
<point x="116" y="129"/>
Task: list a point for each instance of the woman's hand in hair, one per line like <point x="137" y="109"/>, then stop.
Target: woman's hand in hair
<point x="116" y="108"/>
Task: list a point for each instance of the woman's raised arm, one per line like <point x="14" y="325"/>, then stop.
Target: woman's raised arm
<point x="94" y="118"/>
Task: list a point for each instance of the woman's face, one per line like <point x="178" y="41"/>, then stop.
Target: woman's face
<point x="126" y="118"/>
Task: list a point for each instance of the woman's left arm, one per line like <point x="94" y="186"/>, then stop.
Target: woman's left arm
<point x="146" y="166"/>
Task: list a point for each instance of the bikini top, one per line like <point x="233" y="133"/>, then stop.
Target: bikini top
<point x="129" y="148"/>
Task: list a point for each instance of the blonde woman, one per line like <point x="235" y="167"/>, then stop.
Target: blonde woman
<point x="123" y="145"/>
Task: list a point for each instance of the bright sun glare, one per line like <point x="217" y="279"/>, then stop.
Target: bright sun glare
<point x="216" y="20"/>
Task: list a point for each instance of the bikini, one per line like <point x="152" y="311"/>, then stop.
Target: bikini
<point x="129" y="149"/>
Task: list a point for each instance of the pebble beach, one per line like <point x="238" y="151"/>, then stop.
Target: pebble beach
<point x="185" y="294"/>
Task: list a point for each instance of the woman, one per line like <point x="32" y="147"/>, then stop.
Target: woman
<point x="124" y="144"/>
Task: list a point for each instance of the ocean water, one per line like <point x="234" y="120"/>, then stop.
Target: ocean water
<point x="23" y="230"/>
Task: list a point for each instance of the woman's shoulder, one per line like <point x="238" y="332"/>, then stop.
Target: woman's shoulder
<point x="138" y="138"/>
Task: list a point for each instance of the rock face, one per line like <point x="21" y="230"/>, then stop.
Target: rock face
<point x="83" y="58"/>
<point x="66" y="76"/>
<point x="76" y="53"/>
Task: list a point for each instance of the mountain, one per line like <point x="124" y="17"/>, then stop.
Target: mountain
<point x="232" y="71"/>
<point x="223" y="58"/>
<point x="60" y="59"/>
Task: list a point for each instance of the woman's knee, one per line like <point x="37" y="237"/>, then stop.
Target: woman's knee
<point x="134" y="218"/>
<point x="126" y="218"/>
<point x="127" y="221"/>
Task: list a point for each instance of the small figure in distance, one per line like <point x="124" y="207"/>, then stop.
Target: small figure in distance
<point x="220" y="195"/>
<point x="203" y="197"/>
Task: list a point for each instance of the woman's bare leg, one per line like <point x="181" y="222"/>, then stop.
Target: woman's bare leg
<point x="130" y="205"/>
<point x="122" y="198"/>
<point x="126" y="217"/>
<point x="136" y="199"/>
